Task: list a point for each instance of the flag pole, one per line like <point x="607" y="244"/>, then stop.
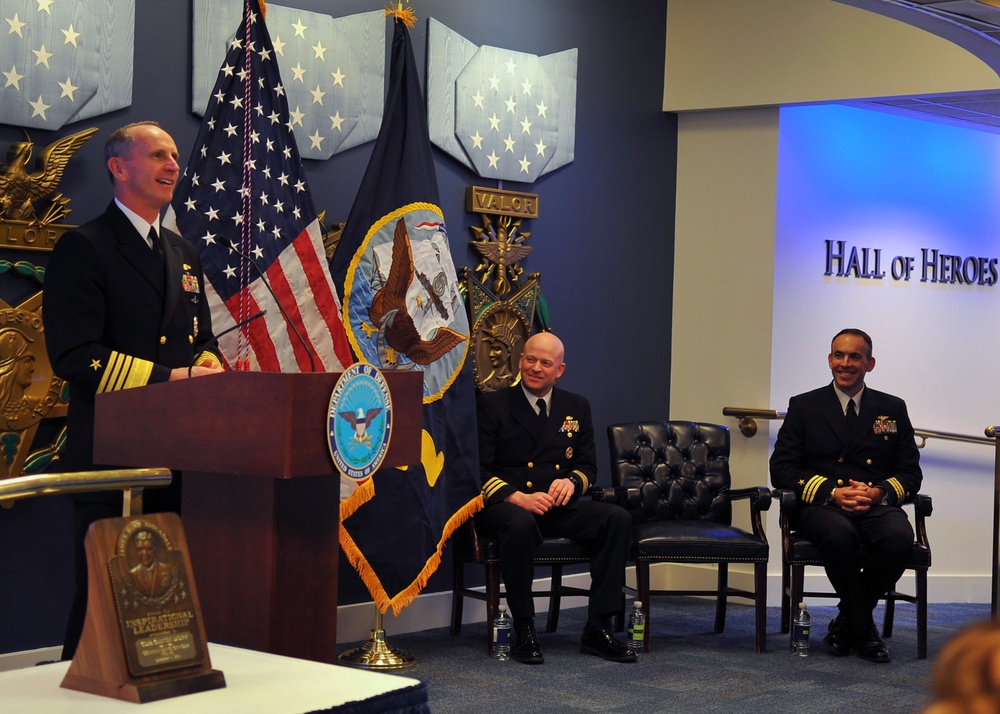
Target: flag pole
<point x="376" y="653"/>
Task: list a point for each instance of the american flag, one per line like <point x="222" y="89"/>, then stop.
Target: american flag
<point x="244" y="186"/>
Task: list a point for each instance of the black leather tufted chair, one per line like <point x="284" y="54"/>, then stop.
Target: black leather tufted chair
<point x="673" y="477"/>
<point x="797" y="553"/>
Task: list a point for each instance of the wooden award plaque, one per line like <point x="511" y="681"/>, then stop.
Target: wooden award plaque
<point x="144" y="638"/>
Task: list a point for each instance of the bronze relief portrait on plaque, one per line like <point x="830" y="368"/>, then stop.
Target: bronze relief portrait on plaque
<point x="156" y="614"/>
<point x="25" y="377"/>
<point x="499" y="338"/>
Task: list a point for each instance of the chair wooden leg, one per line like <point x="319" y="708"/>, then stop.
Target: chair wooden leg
<point x="722" y="597"/>
<point x="798" y="576"/>
<point x="642" y="586"/>
<point x="457" y="595"/>
<point x="555" y="598"/>
<point x="786" y="596"/>
<point x="890" y="613"/>
<point x="921" y="576"/>
<point x="492" y="600"/>
<point x="760" y="605"/>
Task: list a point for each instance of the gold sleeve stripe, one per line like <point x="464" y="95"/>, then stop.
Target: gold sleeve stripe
<point x="492" y="486"/>
<point x="124" y="372"/>
<point x="583" y="478"/>
<point x="112" y="373"/>
<point x="209" y="357"/>
<point x="898" y="488"/>
<point x="812" y="486"/>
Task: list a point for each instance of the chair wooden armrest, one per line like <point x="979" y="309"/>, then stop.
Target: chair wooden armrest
<point x="760" y="500"/>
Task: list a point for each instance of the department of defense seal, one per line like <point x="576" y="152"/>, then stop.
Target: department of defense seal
<point x="359" y="422"/>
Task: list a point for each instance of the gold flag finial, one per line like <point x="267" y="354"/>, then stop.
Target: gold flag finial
<point x="401" y="14"/>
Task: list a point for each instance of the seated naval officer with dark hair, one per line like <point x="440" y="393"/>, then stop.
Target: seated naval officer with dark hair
<point x="538" y="459"/>
<point x="848" y="453"/>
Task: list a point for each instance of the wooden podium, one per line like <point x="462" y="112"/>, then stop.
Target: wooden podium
<point x="261" y="495"/>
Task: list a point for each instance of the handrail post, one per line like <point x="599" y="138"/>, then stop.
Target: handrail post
<point x="132" y="502"/>
<point x="994" y="433"/>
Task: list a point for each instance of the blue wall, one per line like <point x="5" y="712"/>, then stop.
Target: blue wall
<point x="603" y="243"/>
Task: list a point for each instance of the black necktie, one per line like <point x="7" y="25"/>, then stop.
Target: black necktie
<point x="154" y="241"/>
<point x="542" y="416"/>
<point x="852" y="415"/>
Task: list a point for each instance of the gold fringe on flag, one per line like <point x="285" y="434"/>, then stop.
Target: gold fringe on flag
<point x="405" y="15"/>
<point x="362" y="494"/>
<point x="382" y="600"/>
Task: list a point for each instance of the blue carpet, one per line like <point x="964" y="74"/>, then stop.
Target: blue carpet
<point x="690" y="668"/>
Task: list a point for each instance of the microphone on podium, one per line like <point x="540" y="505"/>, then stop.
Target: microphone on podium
<point x="267" y="284"/>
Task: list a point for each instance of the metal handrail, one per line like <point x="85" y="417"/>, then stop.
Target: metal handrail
<point x="748" y="417"/>
<point x="747" y="422"/>
<point x="130" y="481"/>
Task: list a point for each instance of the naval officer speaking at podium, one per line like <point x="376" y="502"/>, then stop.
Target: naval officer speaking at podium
<point x="124" y="306"/>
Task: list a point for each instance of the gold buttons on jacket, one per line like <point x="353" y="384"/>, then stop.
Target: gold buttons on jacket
<point x="191" y="339"/>
<point x="529" y="484"/>
<point x="868" y="461"/>
<point x="163" y="339"/>
<point x="531" y="464"/>
<point x="557" y="467"/>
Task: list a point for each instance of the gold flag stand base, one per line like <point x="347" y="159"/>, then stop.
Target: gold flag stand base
<point x="376" y="653"/>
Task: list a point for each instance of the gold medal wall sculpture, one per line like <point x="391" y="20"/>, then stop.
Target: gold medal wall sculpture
<point x="30" y="209"/>
<point x="501" y="308"/>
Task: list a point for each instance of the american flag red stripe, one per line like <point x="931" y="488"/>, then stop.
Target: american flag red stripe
<point x="312" y="256"/>
<point x="295" y="326"/>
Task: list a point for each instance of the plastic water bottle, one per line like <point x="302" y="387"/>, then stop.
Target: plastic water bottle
<point x="501" y="635"/>
<point x="800" y="631"/>
<point x="636" y="627"/>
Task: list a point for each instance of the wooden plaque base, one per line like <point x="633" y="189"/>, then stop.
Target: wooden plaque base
<point x="108" y="661"/>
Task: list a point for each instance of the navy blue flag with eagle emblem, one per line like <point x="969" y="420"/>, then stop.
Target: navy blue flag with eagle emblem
<point x="403" y="310"/>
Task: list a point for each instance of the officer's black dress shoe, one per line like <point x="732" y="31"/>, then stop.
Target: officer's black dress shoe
<point x="599" y="641"/>
<point x="526" y="648"/>
<point x="872" y="648"/>
<point x="838" y="637"/>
